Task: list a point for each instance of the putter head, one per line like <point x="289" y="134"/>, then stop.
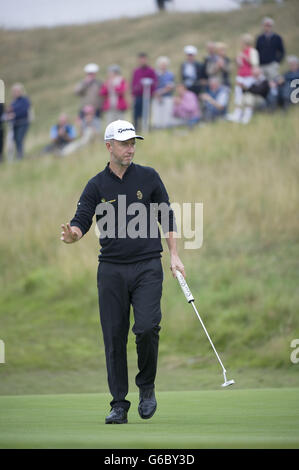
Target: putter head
<point x="227" y="383"/>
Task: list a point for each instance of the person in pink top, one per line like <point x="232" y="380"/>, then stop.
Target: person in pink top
<point x="113" y="91"/>
<point x="142" y="71"/>
<point x="246" y="60"/>
<point x="186" y="110"/>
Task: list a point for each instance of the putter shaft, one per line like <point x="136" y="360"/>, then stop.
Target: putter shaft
<point x="190" y="299"/>
<point x="208" y="336"/>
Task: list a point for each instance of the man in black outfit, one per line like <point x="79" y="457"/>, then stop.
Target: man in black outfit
<point x="271" y="50"/>
<point x="130" y="270"/>
<point x="161" y="4"/>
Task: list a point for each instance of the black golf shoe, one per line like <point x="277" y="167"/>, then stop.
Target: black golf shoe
<point x="117" y="415"/>
<point x="147" y="403"/>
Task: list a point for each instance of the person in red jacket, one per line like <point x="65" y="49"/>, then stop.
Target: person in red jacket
<point x="113" y="91"/>
<point x="247" y="59"/>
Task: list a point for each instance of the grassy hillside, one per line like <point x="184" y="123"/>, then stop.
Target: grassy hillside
<point x="244" y="277"/>
<point x="50" y="61"/>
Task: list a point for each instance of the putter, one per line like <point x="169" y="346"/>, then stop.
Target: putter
<point x="190" y="299"/>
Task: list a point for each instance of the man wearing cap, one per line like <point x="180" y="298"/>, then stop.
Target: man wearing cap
<point x="130" y="270"/>
<point x="88" y="89"/>
<point x="192" y="72"/>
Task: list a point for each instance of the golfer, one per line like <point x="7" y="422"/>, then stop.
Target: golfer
<point x="130" y="270"/>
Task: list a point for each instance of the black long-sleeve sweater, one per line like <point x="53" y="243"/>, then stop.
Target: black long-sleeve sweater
<point x="126" y="237"/>
<point x="270" y="48"/>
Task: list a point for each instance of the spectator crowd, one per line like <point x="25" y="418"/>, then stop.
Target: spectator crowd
<point x="200" y="93"/>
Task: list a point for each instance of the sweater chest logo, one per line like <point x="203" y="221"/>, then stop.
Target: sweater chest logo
<point x="103" y="200"/>
<point x="139" y="194"/>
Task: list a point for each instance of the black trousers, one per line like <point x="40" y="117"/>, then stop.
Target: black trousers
<point x="120" y="286"/>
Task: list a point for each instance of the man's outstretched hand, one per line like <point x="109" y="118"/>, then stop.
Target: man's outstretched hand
<point x="70" y="234"/>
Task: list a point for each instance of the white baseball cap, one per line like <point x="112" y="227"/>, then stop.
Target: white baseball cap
<point x="190" y="50"/>
<point x="121" y="130"/>
<point x="91" y="68"/>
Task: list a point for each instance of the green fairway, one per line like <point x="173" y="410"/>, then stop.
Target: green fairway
<point x="231" y="418"/>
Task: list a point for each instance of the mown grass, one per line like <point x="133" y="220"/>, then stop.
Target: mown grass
<point x="244" y="277"/>
<point x="226" y="419"/>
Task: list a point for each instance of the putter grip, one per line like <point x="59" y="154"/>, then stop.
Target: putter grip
<point x="184" y="286"/>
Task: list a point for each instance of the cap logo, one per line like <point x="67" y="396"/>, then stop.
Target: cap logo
<point x="126" y="129"/>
